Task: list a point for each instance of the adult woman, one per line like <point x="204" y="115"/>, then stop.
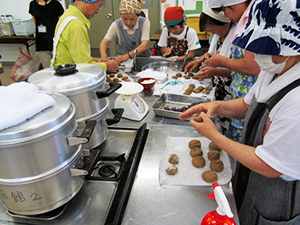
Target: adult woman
<point x="45" y="15"/>
<point x="243" y="67"/>
<point x="222" y="29"/>
<point x="267" y="187"/>
<point x="176" y="38"/>
<point x="131" y="32"/>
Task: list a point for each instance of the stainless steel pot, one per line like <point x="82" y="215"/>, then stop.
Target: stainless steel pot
<point x="36" y="158"/>
<point x="84" y="84"/>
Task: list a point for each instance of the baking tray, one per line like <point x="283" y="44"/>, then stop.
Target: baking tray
<point x="173" y="100"/>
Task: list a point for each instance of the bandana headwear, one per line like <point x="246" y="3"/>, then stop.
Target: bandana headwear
<point x="272" y="29"/>
<point x="217" y="16"/>
<point x="72" y="1"/>
<point x="223" y="3"/>
<point x="130" y="6"/>
<point x="173" y="15"/>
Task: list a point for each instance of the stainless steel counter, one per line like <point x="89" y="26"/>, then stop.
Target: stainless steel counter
<point x="152" y="204"/>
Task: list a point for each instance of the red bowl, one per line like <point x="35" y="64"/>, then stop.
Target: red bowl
<point x="147" y="86"/>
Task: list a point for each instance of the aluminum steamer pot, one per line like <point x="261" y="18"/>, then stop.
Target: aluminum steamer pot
<point x="85" y="85"/>
<point x="39" y="160"/>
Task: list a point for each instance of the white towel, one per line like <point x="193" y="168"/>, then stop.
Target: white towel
<point x="19" y="102"/>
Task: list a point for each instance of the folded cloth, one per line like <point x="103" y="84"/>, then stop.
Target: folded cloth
<point x="157" y="75"/>
<point x="19" y="102"/>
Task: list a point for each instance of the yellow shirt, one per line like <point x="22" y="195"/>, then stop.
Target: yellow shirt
<point x="74" y="44"/>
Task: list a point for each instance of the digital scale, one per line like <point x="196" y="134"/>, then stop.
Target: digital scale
<point x="135" y="108"/>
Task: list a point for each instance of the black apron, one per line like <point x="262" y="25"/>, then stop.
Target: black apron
<point x="261" y="200"/>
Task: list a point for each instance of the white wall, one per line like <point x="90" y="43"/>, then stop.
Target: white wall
<point x="19" y="10"/>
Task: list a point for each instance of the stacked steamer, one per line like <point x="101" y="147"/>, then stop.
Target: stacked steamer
<point x="85" y="85"/>
<point x="37" y="159"/>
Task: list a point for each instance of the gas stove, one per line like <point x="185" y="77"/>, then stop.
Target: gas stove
<point x="104" y="195"/>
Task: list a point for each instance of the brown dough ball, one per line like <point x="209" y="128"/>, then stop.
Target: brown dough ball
<point x="198" y="161"/>
<point x="213" y="146"/>
<point x="173" y="159"/>
<point x="209" y="176"/>
<point x="213" y="154"/>
<point x="186" y="77"/>
<point x="217" y="165"/>
<point x="206" y="92"/>
<point x="178" y="75"/>
<point x="196" y="152"/>
<point x="194" y="143"/>
<point x="191" y="74"/>
<point x="197" y="118"/>
<point x="125" y="77"/>
<point x="127" y="80"/>
<point x="192" y="86"/>
<point x="112" y="75"/>
<point x="108" y="79"/>
<point x="172" y="170"/>
<point x="174" y="77"/>
<point x="196" y="90"/>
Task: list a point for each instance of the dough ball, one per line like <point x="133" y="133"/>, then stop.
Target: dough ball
<point x="209" y="176"/>
<point x="192" y="86"/>
<point x="125" y="77"/>
<point x="178" y="75"/>
<point x="198" y="162"/>
<point x="112" y="75"/>
<point x="186" y="77"/>
<point x="197" y="118"/>
<point x="174" y="77"/>
<point x="213" y="146"/>
<point x="172" y="170"/>
<point x="191" y="74"/>
<point x="116" y="80"/>
<point x="194" y="143"/>
<point x="173" y="159"/>
<point x="216" y="165"/>
<point x="196" y="152"/>
<point x="213" y="154"/>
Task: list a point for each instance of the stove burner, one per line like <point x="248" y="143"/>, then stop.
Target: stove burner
<point x="108" y="168"/>
<point x="107" y="171"/>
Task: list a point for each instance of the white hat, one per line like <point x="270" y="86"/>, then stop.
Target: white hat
<point x="223" y="3"/>
<point x="218" y="16"/>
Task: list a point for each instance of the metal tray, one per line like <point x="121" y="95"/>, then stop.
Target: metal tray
<point x="173" y="100"/>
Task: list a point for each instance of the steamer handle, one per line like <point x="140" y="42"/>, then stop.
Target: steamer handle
<point x="118" y="112"/>
<point x="85" y="135"/>
<point x="108" y="92"/>
<point x="88" y="130"/>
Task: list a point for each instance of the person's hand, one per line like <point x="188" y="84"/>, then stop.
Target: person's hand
<point x="207" y="72"/>
<point x="168" y="51"/>
<point x="209" y="108"/>
<point x="112" y="65"/>
<point x="191" y="66"/>
<point x="214" y="60"/>
<point x="172" y="59"/>
<point x="206" y="128"/>
<point x="121" y="58"/>
<point x="104" y="59"/>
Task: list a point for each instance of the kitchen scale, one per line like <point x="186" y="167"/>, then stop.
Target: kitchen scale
<point x="135" y="108"/>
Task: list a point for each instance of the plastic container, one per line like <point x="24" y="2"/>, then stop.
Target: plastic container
<point x="222" y="215"/>
<point x="6" y="28"/>
<point x="23" y="27"/>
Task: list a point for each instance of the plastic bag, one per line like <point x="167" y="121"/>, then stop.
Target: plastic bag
<point x="24" y="67"/>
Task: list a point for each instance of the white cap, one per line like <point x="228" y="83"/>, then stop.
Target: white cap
<point x="218" y="16"/>
<point x="223" y="3"/>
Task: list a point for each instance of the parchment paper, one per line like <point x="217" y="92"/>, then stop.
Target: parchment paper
<point x="187" y="174"/>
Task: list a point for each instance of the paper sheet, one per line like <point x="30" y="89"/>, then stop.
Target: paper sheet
<point x="187" y="174"/>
